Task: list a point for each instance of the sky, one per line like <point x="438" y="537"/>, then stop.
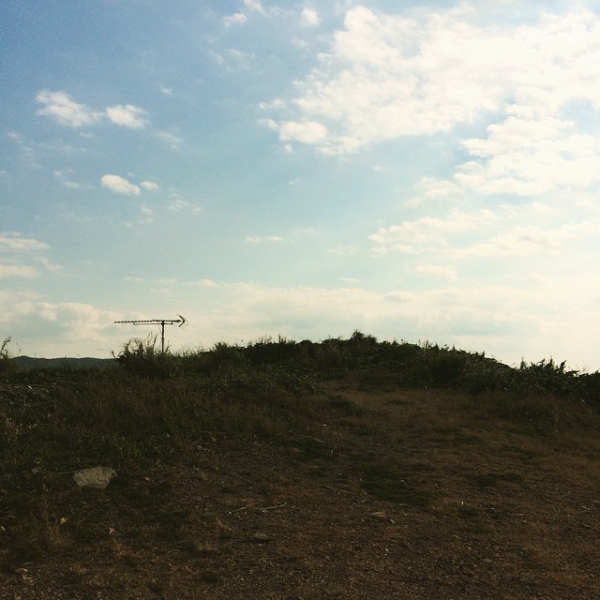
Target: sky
<point x="418" y="171"/>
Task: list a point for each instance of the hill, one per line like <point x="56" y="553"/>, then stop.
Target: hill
<point x="278" y="479"/>
<point x="28" y="362"/>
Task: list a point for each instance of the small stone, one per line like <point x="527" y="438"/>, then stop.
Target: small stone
<point x="260" y="538"/>
<point x="96" y="477"/>
<point x="380" y="515"/>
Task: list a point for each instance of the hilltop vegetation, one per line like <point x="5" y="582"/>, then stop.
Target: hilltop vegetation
<point x="404" y="364"/>
<point x="348" y="468"/>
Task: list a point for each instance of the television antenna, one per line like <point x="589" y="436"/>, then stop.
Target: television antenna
<point x="161" y="322"/>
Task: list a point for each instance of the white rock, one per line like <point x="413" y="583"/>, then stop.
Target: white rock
<point x="96" y="477"/>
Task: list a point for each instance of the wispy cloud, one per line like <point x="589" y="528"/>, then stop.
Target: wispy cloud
<point x="429" y="233"/>
<point x="14" y="242"/>
<point x="207" y="283"/>
<point x="150" y="186"/>
<point x="132" y="117"/>
<point x="235" y="19"/>
<point x="177" y="203"/>
<point x="24" y="271"/>
<point x="527" y="240"/>
<point x="310" y="17"/>
<point x="16" y="251"/>
<point x="254" y="6"/>
<point x="260" y="239"/>
<point x="437" y="272"/>
<point x="64" y="176"/>
<point x="63" y="109"/>
<point x="172" y="140"/>
<point x="119" y="185"/>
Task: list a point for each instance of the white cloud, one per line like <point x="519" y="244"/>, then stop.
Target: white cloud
<point x="16" y="250"/>
<point x="127" y="115"/>
<point x="207" y="283"/>
<point x="254" y="6"/>
<point x="64" y="178"/>
<point x="240" y="59"/>
<point x="276" y="104"/>
<point x="172" y="140"/>
<point x="307" y="132"/>
<point x="436" y="272"/>
<point x="7" y="271"/>
<point x="60" y="107"/>
<point x="533" y="229"/>
<point x="119" y="185"/>
<point x="77" y="322"/>
<point x="526" y="240"/>
<point x="387" y="77"/>
<point x="48" y="264"/>
<point x="13" y="242"/>
<point x="151" y="186"/>
<point x="310" y="17"/>
<point x="342" y="250"/>
<point x="529" y="157"/>
<point x="257" y="239"/>
<point x="235" y="19"/>
<point x="145" y="217"/>
<point x="429" y="233"/>
<point x="177" y="203"/>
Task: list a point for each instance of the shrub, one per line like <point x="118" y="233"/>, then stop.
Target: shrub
<point x="143" y="359"/>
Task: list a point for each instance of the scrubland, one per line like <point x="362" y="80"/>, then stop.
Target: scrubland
<point x="349" y="468"/>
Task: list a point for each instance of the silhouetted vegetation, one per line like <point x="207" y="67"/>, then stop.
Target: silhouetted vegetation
<point x="404" y="364"/>
<point x="293" y="365"/>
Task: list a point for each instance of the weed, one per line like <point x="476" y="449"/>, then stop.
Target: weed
<point x="7" y="365"/>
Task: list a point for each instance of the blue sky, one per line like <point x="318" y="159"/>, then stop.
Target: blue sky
<point x="415" y="170"/>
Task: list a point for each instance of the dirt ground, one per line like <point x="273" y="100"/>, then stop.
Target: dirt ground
<point x="396" y="495"/>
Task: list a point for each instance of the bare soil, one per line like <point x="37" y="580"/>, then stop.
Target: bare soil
<point x="395" y="495"/>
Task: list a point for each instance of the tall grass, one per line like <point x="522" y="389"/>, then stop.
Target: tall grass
<point x="6" y="366"/>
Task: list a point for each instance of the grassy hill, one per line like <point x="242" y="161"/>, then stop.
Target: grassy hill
<point x="342" y="469"/>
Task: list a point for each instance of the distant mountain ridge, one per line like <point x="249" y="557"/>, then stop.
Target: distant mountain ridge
<point x="29" y="362"/>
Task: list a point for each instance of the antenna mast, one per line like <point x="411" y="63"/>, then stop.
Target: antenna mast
<point x="161" y="322"/>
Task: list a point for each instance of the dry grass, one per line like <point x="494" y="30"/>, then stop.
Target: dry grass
<point x="236" y="488"/>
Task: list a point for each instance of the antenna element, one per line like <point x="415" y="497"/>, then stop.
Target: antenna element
<point x="161" y="322"/>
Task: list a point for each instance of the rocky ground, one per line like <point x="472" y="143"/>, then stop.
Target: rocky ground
<point x="395" y="495"/>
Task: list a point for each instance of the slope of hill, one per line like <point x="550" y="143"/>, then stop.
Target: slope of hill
<point x="284" y="485"/>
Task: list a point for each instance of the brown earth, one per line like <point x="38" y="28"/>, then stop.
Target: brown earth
<point x="395" y="495"/>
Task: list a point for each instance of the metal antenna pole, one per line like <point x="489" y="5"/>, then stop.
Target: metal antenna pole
<point x="161" y="322"/>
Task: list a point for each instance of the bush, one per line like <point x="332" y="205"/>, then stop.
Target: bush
<point x="142" y="358"/>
